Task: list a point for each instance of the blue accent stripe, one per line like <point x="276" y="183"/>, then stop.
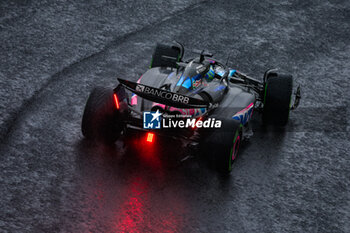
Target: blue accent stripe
<point x="219" y="88"/>
<point x="232" y="72"/>
<point x="197" y="77"/>
<point x="187" y="84"/>
<point x="180" y="81"/>
<point x="171" y="74"/>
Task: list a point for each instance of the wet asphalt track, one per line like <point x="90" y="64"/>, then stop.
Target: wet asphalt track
<point x="53" y="53"/>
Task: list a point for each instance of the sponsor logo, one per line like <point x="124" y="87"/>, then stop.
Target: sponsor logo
<point x="197" y="83"/>
<point x="244" y="115"/>
<point x="163" y="94"/>
<point x="140" y="88"/>
<point x="151" y="120"/>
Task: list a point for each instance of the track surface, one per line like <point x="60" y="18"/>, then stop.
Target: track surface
<point x="54" y="53"/>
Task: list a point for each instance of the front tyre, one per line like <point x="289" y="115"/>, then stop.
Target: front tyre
<point x="277" y="99"/>
<point x="100" y="118"/>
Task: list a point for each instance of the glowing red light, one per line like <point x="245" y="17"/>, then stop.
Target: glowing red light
<point x="150" y="137"/>
<point x="116" y="101"/>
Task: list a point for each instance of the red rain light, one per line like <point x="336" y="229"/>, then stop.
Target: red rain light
<point x="116" y="101"/>
<point x="150" y="137"/>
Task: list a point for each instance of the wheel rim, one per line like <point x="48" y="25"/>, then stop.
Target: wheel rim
<point x="235" y="148"/>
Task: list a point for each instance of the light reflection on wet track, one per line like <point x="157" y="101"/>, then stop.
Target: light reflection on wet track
<point x="139" y="166"/>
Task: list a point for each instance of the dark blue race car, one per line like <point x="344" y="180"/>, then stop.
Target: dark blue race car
<point x="199" y="99"/>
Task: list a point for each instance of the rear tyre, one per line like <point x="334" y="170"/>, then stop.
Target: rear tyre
<point x="222" y="145"/>
<point x="277" y="99"/>
<point x="100" y="118"/>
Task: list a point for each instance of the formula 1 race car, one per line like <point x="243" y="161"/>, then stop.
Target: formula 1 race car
<point x="198" y="99"/>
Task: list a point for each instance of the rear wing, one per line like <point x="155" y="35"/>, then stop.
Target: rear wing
<point x="163" y="96"/>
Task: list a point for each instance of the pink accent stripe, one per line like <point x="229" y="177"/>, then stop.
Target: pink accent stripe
<point x="159" y="105"/>
<point x="234" y="155"/>
<point x="134" y="96"/>
<point x="134" y="100"/>
<point x="190" y="111"/>
<point x="245" y="109"/>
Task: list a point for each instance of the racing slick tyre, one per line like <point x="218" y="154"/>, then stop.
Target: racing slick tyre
<point x="277" y="99"/>
<point x="223" y="144"/>
<point x="100" y="118"/>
